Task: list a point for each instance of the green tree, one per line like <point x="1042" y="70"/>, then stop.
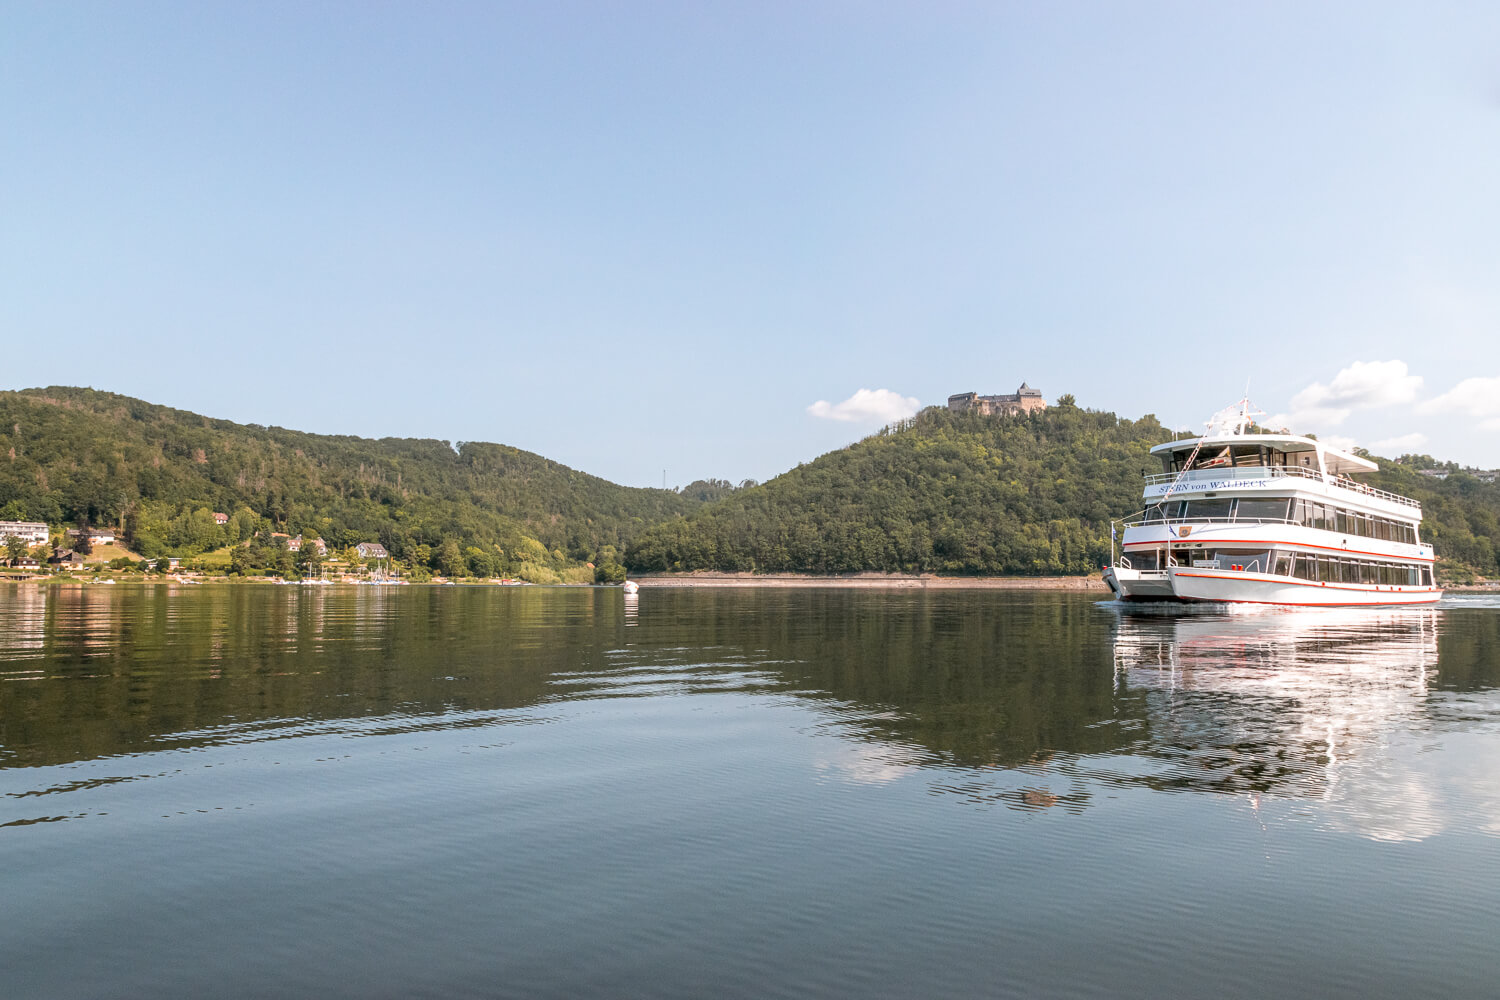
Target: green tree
<point x="449" y="559"/>
<point x="309" y="557"/>
<point x="15" y="547"/>
<point x="241" y="525"/>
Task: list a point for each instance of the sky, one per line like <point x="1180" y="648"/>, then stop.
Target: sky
<point x="668" y="241"/>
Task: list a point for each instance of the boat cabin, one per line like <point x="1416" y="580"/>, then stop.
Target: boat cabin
<point x="1259" y="451"/>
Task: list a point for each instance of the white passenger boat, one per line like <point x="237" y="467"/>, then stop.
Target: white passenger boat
<point x="1242" y="517"/>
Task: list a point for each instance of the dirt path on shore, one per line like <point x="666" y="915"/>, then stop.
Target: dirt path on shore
<point x="876" y="581"/>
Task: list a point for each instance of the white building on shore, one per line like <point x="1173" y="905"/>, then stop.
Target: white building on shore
<point x="30" y="532"/>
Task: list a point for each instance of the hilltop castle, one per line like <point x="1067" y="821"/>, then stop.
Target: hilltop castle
<point x="1024" y="400"/>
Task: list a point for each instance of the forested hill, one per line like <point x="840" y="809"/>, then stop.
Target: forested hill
<point x="967" y="494"/>
<point x="943" y="493"/>
<point x="68" y="455"/>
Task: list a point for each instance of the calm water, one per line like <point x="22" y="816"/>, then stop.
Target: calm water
<point x="244" y="792"/>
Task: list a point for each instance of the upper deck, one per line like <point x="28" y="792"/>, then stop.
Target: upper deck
<point x="1269" y="462"/>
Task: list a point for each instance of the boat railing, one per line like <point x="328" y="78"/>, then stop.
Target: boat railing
<point x="1212" y="520"/>
<point x="1127" y="564"/>
<point x="1277" y="472"/>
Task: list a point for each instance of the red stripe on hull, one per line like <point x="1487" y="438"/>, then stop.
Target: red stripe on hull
<point x="1275" y="542"/>
<point x="1427" y="595"/>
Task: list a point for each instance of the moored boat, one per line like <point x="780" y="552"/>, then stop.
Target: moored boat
<point x="1240" y="516"/>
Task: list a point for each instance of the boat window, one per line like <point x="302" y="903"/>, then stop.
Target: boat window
<point x="1248" y="455"/>
<point x="1172" y="509"/>
<point x="1426" y="576"/>
<point x="1214" y="509"/>
<point x="1283" y="564"/>
<point x="1248" y="560"/>
<point x="1143" y="560"/>
<point x="1262" y="510"/>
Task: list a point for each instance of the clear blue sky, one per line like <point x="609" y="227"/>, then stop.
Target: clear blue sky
<point x="636" y="237"/>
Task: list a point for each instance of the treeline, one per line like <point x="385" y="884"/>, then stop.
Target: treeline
<point x="941" y="493"/>
<point x="79" y="456"/>
<point x="1460" y="515"/>
<point x="973" y="495"/>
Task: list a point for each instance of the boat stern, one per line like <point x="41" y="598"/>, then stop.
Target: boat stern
<point x="1139" y="584"/>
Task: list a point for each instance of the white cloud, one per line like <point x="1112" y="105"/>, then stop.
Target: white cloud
<point x="1474" y="397"/>
<point x="868" y="406"/>
<point x="1363" y="385"/>
<point x="1338" y="441"/>
<point x="1401" y="445"/>
<point x="1310" y="418"/>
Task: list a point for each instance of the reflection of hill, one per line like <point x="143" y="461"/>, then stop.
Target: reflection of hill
<point x="104" y="671"/>
<point x="974" y="680"/>
<point x="1006" y="695"/>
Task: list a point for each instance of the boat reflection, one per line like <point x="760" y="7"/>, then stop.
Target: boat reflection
<point x="1337" y="674"/>
<point x="1337" y="706"/>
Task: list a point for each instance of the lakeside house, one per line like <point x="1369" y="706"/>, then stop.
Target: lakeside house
<point x="371" y="550"/>
<point x="220" y="519"/>
<point x="97" y="536"/>
<point x="30" y="532"/>
<point x="295" y="544"/>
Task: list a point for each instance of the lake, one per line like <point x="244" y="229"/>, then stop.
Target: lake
<point x="238" y="791"/>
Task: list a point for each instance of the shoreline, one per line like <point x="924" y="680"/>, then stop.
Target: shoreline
<point x="873" y="581"/>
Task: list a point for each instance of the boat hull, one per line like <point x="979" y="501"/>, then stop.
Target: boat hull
<point x="1256" y="588"/>
<point x="1185" y="585"/>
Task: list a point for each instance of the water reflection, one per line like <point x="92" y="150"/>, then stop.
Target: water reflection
<point x="1028" y="701"/>
<point x="1332" y="680"/>
<point x="1338" y="706"/>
